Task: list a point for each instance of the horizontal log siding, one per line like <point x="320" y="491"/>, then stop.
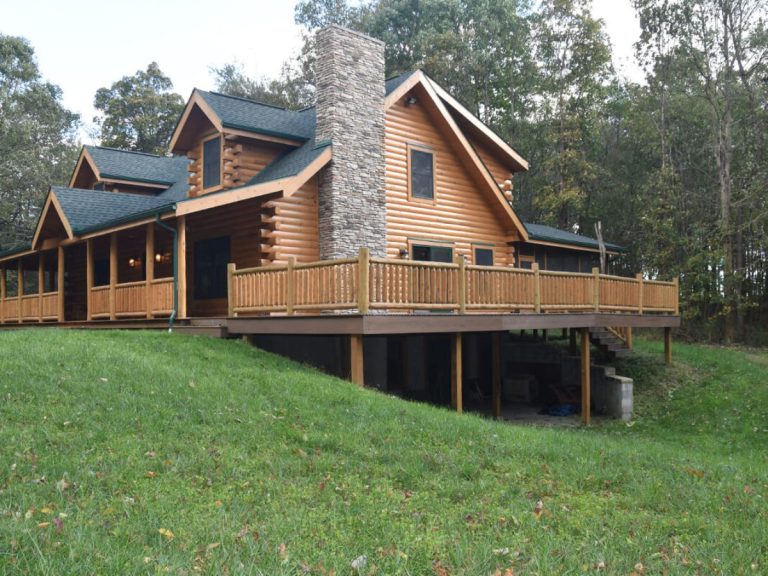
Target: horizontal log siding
<point x="296" y="227"/>
<point x="461" y="213"/>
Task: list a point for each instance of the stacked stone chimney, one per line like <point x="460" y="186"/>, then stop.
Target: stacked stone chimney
<point x="349" y="74"/>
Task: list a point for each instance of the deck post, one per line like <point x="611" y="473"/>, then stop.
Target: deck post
<point x="461" y="292"/>
<point x="639" y="277"/>
<point x="3" y="289"/>
<point x="181" y="259"/>
<point x="668" y="345"/>
<point x="496" y="374"/>
<point x="20" y="287"/>
<point x="364" y="280"/>
<point x="89" y="277"/>
<point x="112" y="275"/>
<point x="291" y="286"/>
<point x="586" y="399"/>
<point x="356" y="366"/>
<point x="596" y="287"/>
<point x="40" y="284"/>
<point x="676" y="282"/>
<point x="149" y="265"/>
<point x="60" y="279"/>
<point x="457" y="396"/>
<point x="536" y="288"/>
<point x="630" y="341"/>
<point x="231" y="267"/>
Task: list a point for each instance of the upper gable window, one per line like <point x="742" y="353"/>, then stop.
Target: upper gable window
<point x="421" y="173"/>
<point x="211" y="163"/>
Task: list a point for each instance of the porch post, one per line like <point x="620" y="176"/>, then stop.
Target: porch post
<point x="668" y="345"/>
<point x="40" y="284"/>
<point x="149" y="265"/>
<point x="60" y="283"/>
<point x="89" y="277"/>
<point x="496" y="373"/>
<point x="2" y="294"/>
<point x="181" y="258"/>
<point x="456" y="372"/>
<point x="112" y="275"/>
<point x="356" y="366"/>
<point x="585" y="378"/>
<point x="20" y="287"/>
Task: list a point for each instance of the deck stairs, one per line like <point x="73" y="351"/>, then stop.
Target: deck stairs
<point x="610" y="342"/>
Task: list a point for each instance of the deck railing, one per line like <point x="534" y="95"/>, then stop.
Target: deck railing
<point x="29" y="308"/>
<point x="366" y="283"/>
<point x="130" y="299"/>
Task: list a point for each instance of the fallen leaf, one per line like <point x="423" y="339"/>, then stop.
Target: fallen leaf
<point x="283" y="552"/>
<point x="43" y="524"/>
<point x="213" y="546"/>
<point x="103" y="379"/>
<point x="45" y="510"/>
<point x="167" y="534"/>
<point x="59" y="523"/>
<point x="62" y="485"/>
<point x="694" y="472"/>
<point x="359" y="562"/>
<point x="150" y="474"/>
<point x="439" y="569"/>
<point x="539" y="509"/>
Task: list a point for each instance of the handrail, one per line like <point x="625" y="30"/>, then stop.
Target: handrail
<point x="365" y="283"/>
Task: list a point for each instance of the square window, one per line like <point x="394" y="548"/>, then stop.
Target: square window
<point x="483" y="256"/>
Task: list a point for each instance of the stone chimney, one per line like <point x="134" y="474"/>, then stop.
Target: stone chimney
<point x="349" y="74"/>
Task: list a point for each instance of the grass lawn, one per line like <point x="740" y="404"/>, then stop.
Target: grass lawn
<point x="149" y="453"/>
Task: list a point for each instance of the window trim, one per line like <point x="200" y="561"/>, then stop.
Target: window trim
<point x="413" y="242"/>
<point x="410" y="146"/>
<point x="202" y="163"/>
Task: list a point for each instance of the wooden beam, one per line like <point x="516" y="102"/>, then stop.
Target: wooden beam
<point x="356" y="365"/>
<point x="20" y="287"/>
<point x="363" y="284"/>
<point x="149" y="265"/>
<point x="457" y="396"/>
<point x="181" y="259"/>
<point x="40" y="284"/>
<point x="231" y="267"/>
<point x="668" y="345"/>
<point x="586" y="392"/>
<point x="496" y="374"/>
<point x="89" y="277"/>
<point x="60" y="278"/>
<point x="112" y="275"/>
<point x="630" y="341"/>
<point x="3" y="289"/>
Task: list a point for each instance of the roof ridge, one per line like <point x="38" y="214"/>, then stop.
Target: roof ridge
<point x="249" y="100"/>
<point x="105" y="192"/>
<point x="138" y="152"/>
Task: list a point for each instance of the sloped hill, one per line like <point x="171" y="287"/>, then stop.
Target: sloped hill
<point x="144" y="453"/>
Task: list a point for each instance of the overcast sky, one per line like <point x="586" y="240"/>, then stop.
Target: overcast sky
<point x="83" y="45"/>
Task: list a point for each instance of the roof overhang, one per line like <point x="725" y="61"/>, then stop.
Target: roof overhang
<point x="52" y="208"/>
<point x="569" y="246"/>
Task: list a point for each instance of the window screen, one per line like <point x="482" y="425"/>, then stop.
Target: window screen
<point x="422" y="175"/>
<point x="212" y="163"/>
<point x="211" y="259"/>
<point x="483" y="257"/>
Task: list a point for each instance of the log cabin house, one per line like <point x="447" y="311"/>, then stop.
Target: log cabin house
<point x="346" y="219"/>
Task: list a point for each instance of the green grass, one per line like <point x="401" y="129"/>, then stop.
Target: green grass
<point x="251" y="464"/>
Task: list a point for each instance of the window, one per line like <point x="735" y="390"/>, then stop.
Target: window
<point x="211" y="259"/>
<point x="432" y="254"/>
<point x="211" y="163"/>
<point x="99" y="186"/>
<point x="483" y="257"/>
<point x="422" y="174"/>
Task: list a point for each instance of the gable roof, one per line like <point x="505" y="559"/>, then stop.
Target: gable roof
<point x="291" y="162"/>
<point x="543" y="233"/>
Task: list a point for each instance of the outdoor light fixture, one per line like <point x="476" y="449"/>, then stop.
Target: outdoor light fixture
<point x="403" y="253"/>
<point x="411" y="100"/>
<point x="133" y="262"/>
<point x="162" y="257"/>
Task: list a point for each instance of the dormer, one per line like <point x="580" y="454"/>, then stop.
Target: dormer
<point x="230" y="140"/>
<point x="111" y="170"/>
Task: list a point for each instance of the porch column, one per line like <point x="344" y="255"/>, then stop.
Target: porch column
<point x="496" y="374"/>
<point x="20" y="287"/>
<point x="356" y="365"/>
<point x="585" y="378"/>
<point x="60" y="283"/>
<point x="456" y="373"/>
<point x="2" y="294"/>
<point x="149" y="265"/>
<point x="668" y="345"/>
<point x="89" y="277"/>
<point x="112" y="275"/>
<point x="181" y="259"/>
<point x="40" y="284"/>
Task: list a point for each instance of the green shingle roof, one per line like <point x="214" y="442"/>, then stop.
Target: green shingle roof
<point x="290" y="163"/>
<point x="88" y="210"/>
<point x="138" y="166"/>
<point x="550" y="234"/>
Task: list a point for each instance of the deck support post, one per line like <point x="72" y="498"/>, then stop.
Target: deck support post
<point x="356" y="365"/>
<point x="3" y="290"/>
<point x="668" y="345"/>
<point x="586" y="399"/>
<point x="461" y="288"/>
<point x="290" y="282"/>
<point x="60" y="278"/>
<point x="630" y="342"/>
<point x="20" y="287"/>
<point x="40" y="284"/>
<point x="496" y="374"/>
<point x="149" y="265"/>
<point x="112" y="275"/>
<point x="536" y="288"/>
<point x="639" y="277"/>
<point x="181" y="259"/>
<point x="89" y="277"/>
<point x="596" y="288"/>
<point x="231" y="267"/>
<point x="456" y="373"/>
